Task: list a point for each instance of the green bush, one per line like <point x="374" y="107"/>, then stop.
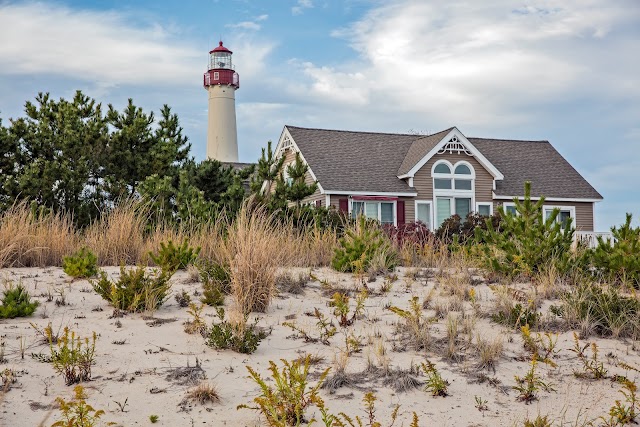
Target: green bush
<point x="81" y="264"/>
<point x="135" y="290"/>
<point x="216" y="283"/>
<point x="240" y="337"/>
<point x="527" y="242"/>
<point x="608" y="310"/>
<point x="619" y="262"/>
<point x="171" y="257"/>
<point x="360" y="245"/>
<point x="16" y="302"/>
<point x="517" y="316"/>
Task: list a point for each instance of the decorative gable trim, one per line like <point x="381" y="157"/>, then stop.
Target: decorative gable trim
<point x="286" y="142"/>
<point x="455" y="141"/>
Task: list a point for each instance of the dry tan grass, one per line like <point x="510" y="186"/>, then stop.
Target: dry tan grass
<point x="29" y="239"/>
<point x="203" y="393"/>
<point x="254" y="249"/>
<point x="118" y="237"/>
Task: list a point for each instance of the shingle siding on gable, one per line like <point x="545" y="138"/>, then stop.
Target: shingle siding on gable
<point x="423" y="182"/>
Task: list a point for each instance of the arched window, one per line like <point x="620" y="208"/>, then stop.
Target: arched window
<point x="453" y="189"/>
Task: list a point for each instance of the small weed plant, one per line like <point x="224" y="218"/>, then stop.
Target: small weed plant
<point x="539" y="421"/>
<point x="16" y="302"/>
<point x="591" y="366"/>
<point x="72" y="356"/>
<point x="435" y="384"/>
<point x="518" y="315"/>
<point x="284" y="403"/>
<point x="172" y="257"/>
<point x="196" y="324"/>
<point x="135" y="290"/>
<point x="417" y="326"/>
<point x="529" y="385"/>
<point x="325" y="327"/>
<point x="239" y="336"/>
<point x="541" y="346"/>
<point x="369" y="420"/>
<point x="78" y="413"/>
<point x="341" y="309"/>
<point x="81" y="264"/>
<point x="216" y="283"/>
<point x="624" y="412"/>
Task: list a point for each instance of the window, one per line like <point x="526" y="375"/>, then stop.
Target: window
<point x="287" y="179"/>
<point x="565" y="214"/>
<point x="509" y="208"/>
<point x="453" y="190"/>
<point x="381" y="211"/>
<point x="216" y="75"/>
<point x="485" y="209"/>
<point x="423" y="213"/>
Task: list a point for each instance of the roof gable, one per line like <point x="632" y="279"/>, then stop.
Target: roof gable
<point x="452" y="140"/>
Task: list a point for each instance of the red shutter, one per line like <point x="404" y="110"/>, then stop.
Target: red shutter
<point x="318" y="203"/>
<point x="400" y="212"/>
<point x="344" y="205"/>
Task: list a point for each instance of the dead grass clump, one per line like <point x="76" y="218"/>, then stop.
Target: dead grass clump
<point x="203" y="394"/>
<point x="415" y="331"/>
<point x="403" y="380"/>
<point x="489" y="351"/>
<point x="187" y="375"/>
<point x="31" y="238"/>
<point x="286" y="282"/>
<point x="254" y="251"/>
<point x="117" y="237"/>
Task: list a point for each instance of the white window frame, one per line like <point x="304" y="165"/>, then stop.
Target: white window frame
<point x="431" y="214"/>
<point x="216" y="75"/>
<point x="478" y="204"/>
<point x="379" y="202"/>
<point x="570" y="209"/>
<point x="452" y="193"/>
<point x="508" y="204"/>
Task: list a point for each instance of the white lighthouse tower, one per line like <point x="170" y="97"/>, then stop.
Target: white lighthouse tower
<point x="221" y="81"/>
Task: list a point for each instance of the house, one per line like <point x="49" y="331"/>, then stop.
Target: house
<point x="400" y="178"/>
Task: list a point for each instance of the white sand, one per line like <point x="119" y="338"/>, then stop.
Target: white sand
<point x="129" y="372"/>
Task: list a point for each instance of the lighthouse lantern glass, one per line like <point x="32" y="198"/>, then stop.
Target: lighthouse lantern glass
<point x="220" y="60"/>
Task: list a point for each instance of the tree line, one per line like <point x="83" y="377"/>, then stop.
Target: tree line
<point x="74" y="156"/>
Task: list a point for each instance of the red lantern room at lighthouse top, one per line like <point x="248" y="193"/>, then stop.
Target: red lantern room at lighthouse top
<point x="221" y="69"/>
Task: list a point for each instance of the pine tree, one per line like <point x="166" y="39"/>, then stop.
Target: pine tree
<point x="620" y="261"/>
<point x="527" y="240"/>
<point x="298" y="189"/>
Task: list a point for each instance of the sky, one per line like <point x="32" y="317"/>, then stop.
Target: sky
<point x="566" y="71"/>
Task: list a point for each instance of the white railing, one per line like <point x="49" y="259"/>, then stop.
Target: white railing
<point x="590" y="238"/>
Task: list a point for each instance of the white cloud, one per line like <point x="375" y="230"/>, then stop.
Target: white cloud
<point x="251" y="25"/>
<point x="301" y="6"/>
<point x="474" y="63"/>
<point x="102" y="47"/>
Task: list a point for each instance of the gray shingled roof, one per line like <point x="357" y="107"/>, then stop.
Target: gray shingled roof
<point x="371" y="162"/>
<point x="354" y="161"/>
<point x="419" y="149"/>
<point x="536" y="161"/>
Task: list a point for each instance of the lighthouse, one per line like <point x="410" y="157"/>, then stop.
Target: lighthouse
<point x="221" y="81"/>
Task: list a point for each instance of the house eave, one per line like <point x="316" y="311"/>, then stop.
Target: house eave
<point x="369" y="193"/>
<point x="550" y="199"/>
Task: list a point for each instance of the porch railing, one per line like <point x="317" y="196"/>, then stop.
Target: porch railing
<point x="590" y="238"/>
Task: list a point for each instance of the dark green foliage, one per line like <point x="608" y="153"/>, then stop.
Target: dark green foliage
<point x="171" y="257"/>
<point x="453" y="229"/>
<point x="527" y="242"/>
<point x="267" y="173"/>
<point x="605" y="307"/>
<point x="620" y="262"/>
<point x="81" y="264"/>
<point x="71" y="157"/>
<point x="16" y="302"/>
<point x="359" y="245"/>
<point x="135" y="290"/>
<point x="517" y="316"/>
<point x="296" y="187"/>
<point x="242" y="337"/>
<point x="216" y="283"/>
